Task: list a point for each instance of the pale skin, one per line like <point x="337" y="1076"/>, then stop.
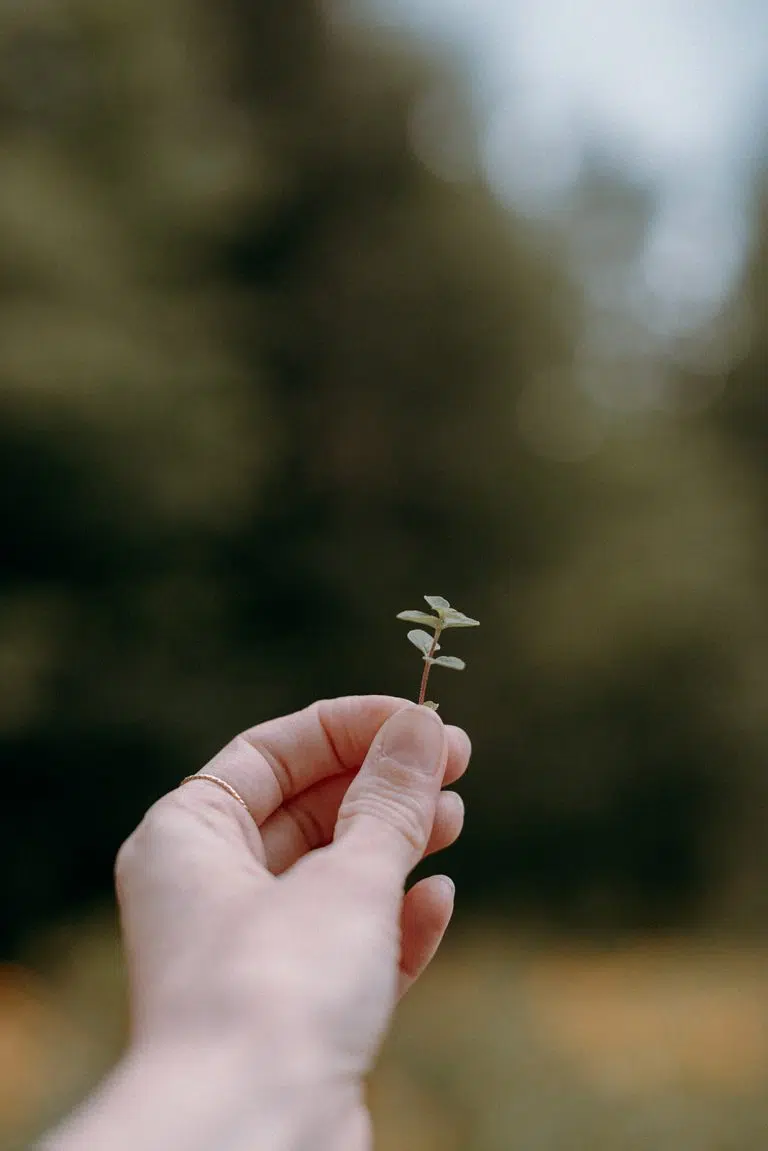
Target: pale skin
<point x="267" y="948"/>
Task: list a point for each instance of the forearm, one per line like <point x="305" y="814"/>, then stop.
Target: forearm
<point x="218" y="1099"/>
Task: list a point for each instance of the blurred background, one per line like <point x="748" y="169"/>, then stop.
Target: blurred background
<point x="307" y="310"/>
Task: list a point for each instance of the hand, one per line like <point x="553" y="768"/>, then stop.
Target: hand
<point x="283" y="931"/>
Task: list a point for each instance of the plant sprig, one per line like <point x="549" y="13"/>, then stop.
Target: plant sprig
<point x="445" y="617"/>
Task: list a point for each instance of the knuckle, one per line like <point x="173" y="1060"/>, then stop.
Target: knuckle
<point x="313" y="832"/>
<point x="158" y="820"/>
<point x="400" y="811"/>
<point x="124" y="863"/>
<point x="133" y="852"/>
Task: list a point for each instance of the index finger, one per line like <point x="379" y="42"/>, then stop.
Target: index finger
<point x="277" y="760"/>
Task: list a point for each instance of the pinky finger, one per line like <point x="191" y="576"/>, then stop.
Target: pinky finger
<point x="427" y="910"/>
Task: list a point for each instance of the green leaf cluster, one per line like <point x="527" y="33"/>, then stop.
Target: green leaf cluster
<point x="445" y="617"/>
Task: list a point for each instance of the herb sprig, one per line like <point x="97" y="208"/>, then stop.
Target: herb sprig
<point x="445" y="617"/>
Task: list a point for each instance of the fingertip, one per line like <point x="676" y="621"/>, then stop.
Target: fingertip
<point x="459" y="752"/>
<point x="431" y="711"/>
<point x="449" y="822"/>
<point x="452" y="806"/>
<point x="447" y="885"/>
<point x="426" y="913"/>
<point x="460" y="742"/>
<point x="413" y="738"/>
<point x="421" y="709"/>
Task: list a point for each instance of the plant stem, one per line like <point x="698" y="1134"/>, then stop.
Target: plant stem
<point x="428" y="665"/>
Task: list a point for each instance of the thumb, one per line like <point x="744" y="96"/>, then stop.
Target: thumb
<point x="387" y="813"/>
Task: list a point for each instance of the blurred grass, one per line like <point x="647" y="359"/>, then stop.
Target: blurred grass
<point x="648" y="1045"/>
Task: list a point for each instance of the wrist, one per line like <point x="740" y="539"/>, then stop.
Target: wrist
<point x="217" y="1097"/>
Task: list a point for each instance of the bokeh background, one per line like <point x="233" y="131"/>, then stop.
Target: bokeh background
<point x="306" y="310"/>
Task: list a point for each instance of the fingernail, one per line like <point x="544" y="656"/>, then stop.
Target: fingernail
<point x="448" y="883"/>
<point x="414" y="737"/>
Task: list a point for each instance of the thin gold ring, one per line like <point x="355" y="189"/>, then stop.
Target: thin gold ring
<point x="221" y="782"/>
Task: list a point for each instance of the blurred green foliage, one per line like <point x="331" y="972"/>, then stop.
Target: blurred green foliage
<point x="259" y="386"/>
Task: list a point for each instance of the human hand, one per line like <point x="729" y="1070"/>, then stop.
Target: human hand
<point x="283" y="930"/>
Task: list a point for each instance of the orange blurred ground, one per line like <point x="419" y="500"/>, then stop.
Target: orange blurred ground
<point x="506" y="1044"/>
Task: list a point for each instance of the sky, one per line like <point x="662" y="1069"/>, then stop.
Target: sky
<point x="672" y="94"/>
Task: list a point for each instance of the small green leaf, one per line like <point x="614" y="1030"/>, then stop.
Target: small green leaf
<point x="419" y="617"/>
<point x="437" y="602"/>
<point x="422" y="640"/>
<point x="451" y="661"/>
<point x="429" y="703"/>
<point x="454" y="618"/>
